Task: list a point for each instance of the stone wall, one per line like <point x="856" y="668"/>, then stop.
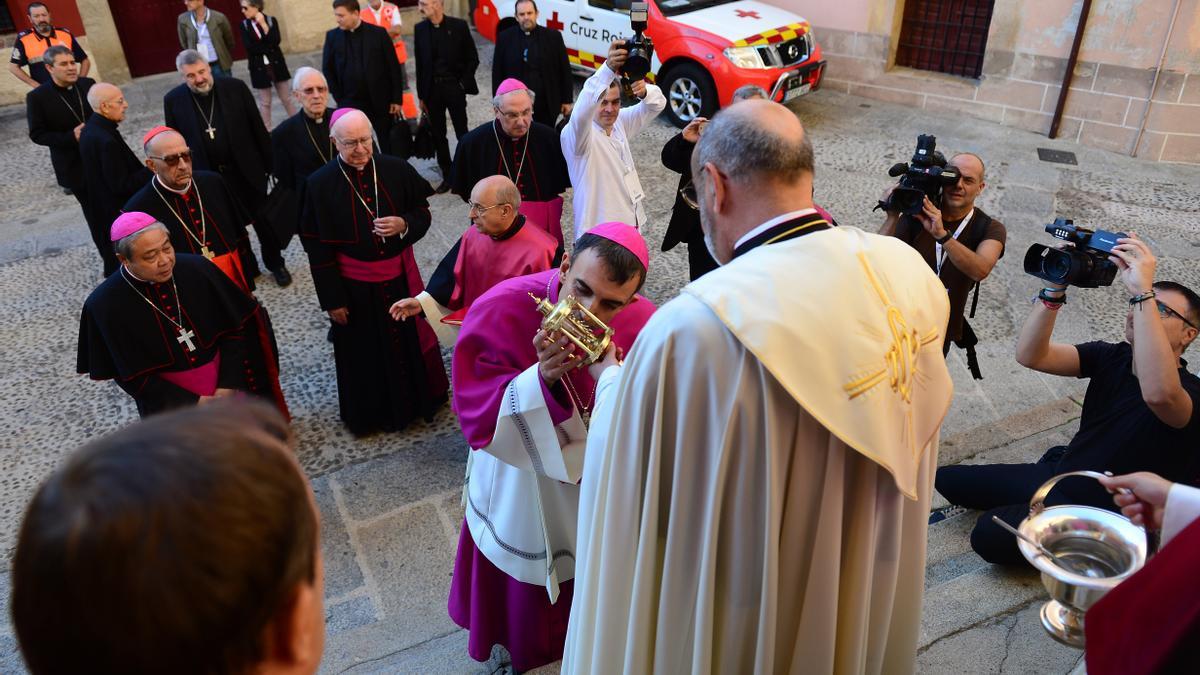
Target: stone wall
<point x="1028" y="43"/>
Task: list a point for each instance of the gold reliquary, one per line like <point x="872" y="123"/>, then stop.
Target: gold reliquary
<point x="581" y="327"/>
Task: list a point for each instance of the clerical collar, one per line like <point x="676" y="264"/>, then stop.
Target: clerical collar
<point x="138" y="279"/>
<point x="67" y="87"/>
<point x="318" y="121"/>
<point x="781" y="228"/>
<point x="186" y="188"/>
<point x="512" y="230"/>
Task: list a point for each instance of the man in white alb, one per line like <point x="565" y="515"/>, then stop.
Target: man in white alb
<point x="760" y="503"/>
<point x="595" y="143"/>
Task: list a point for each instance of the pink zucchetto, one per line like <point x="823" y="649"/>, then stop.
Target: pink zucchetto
<point x="128" y="223"/>
<point x="338" y="114"/>
<point x="510" y="85"/>
<point x="626" y="236"/>
<point x="154" y="132"/>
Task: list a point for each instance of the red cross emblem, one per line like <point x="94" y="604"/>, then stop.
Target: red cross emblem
<point x="743" y="14"/>
<point x="554" y="24"/>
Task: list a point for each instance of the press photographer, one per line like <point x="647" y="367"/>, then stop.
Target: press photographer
<point x="958" y="240"/>
<point x="1139" y="413"/>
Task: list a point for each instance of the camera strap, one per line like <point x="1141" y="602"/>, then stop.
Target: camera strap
<point x="940" y="253"/>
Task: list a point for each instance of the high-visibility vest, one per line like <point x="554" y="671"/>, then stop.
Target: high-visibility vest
<point x="387" y="14"/>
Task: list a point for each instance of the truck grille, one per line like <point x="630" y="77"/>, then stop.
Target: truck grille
<point x="787" y="53"/>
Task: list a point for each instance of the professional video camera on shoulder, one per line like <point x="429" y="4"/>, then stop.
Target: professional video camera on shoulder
<point x="925" y="175"/>
<point x="640" y="46"/>
<point x="1084" y="264"/>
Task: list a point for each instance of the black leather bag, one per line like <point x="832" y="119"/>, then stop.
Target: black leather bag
<point x="401" y="137"/>
<point x="424" y="146"/>
<point x="282" y="211"/>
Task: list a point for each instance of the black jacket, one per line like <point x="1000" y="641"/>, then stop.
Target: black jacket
<point x="382" y="77"/>
<point x="685" y="221"/>
<point x="463" y="57"/>
<point x="111" y="172"/>
<point x="266" y="46"/>
<point x="52" y="124"/>
<point x="237" y="117"/>
<point x="558" y="86"/>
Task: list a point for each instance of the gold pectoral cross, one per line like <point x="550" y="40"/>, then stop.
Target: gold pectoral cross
<point x="206" y="252"/>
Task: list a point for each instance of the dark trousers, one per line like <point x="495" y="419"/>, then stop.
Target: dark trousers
<point x="268" y="241"/>
<point x="447" y="96"/>
<point x="1004" y="490"/>
<point x="100" y="234"/>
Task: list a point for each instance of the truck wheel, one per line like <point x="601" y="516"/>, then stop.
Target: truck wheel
<point x="690" y="93"/>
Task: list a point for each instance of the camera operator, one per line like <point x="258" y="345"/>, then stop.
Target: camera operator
<point x="1139" y="413"/>
<point x="959" y="241"/>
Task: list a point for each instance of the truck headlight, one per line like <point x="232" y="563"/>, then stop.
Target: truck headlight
<point x="744" y="57"/>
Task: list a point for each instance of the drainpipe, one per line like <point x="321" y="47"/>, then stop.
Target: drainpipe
<point x="1066" y="84"/>
<point x="1162" y="57"/>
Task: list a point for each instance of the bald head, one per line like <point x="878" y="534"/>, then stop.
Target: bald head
<point x="169" y="139"/>
<point x="755" y="142"/>
<point x="352" y="134"/>
<point x="107" y="100"/>
<point x="496" y="190"/>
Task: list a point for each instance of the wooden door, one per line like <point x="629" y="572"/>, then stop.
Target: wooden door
<point x="148" y="34"/>
<point x="946" y="36"/>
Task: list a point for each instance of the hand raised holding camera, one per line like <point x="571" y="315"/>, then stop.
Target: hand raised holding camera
<point x="931" y="219"/>
<point x="1136" y="263"/>
<point x="617" y="54"/>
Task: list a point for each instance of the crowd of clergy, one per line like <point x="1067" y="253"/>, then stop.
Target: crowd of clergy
<point x="613" y="516"/>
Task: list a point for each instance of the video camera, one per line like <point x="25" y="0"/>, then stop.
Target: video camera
<point x="640" y="46"/>
<point x="1085" y="265"/>
<point x="926" y="174"/>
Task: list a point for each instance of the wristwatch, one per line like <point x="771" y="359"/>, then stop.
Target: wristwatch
<point x="945" y="238"/>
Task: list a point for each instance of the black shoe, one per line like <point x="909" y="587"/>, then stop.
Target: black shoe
<point x="443" y="188"/>
<point x="68" y="191"/>
<point x="282" y="277"/>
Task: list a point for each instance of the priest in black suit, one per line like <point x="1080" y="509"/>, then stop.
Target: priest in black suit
<point x="360" y="63"/>
<point x="224" y="130"/>
<point x="57" y="111"/>
<point x="301" y="144"/>
<point x="171" y="330"/>
<point x="446" y="63"/>
<point x="536" y="56"/>
<point x="362" y="215"/>
<point x="111" y="172"/>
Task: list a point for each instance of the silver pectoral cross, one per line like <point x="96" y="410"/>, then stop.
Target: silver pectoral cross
<point x="185" y="339"/>
<point x="211" y="131"/>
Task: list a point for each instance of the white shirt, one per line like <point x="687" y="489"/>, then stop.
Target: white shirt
<point x="605" y="180"/>
<point x="204" y="43"/>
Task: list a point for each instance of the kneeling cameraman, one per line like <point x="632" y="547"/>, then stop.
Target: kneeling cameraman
<point x="959" y="241"/>
<point x="1139" y="413"/>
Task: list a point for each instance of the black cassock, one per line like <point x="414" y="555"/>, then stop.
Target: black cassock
<point x="487" y="151"/>
<point x="388" y="372"/>
<point x="299" y="146"/>
<point x="222" y="228"/>
<point x="122" y="338"/>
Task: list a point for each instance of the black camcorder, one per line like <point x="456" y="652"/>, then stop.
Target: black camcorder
<point x="925" y="175"/>
<point x="1085" y="264"/>
<point x="640" y="46"/>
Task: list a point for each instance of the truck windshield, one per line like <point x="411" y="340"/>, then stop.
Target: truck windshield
<point x="677" y="7"/>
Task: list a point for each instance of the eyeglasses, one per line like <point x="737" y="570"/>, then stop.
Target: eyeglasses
<point x="514" y="116"/>
<point x="309" y="91"/>
<point x="1166" y="312"/>
<point x="472" y="207"/>
<point x="352" y="142"/>
<point x="688" y="193"/>
<point x="174" y="160"/>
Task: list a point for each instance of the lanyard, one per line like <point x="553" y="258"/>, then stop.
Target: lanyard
<point x="940" y="253"/>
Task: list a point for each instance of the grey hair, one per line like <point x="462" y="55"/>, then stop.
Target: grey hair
<point x="303" y="72"/>
<point x="743" y="150"/>
<point x="749" y="91"/>
<point x="507" y="193"/>
<point x="124" y="245"/>
<point x="982" y="166"/>
<point x="55" y="52"/>
<point x="188" y="57"/>
<point x="497" y="97"/>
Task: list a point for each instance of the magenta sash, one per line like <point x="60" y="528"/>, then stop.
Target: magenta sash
<point x="201" y="381"/>
<point x="375" y="271"/>
<point x="546" y="215"/>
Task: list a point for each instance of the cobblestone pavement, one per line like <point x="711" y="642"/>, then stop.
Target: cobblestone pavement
<point x="390" y="503"/>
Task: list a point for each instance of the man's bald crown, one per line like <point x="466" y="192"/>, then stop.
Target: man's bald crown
<point x="350" y="123"/>
<point x="756" y="140"/>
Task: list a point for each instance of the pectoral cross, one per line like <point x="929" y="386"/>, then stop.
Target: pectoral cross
<point x="206" y="252"/>
<point x="185" y="339"/>
<point x="211" y="131"/>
